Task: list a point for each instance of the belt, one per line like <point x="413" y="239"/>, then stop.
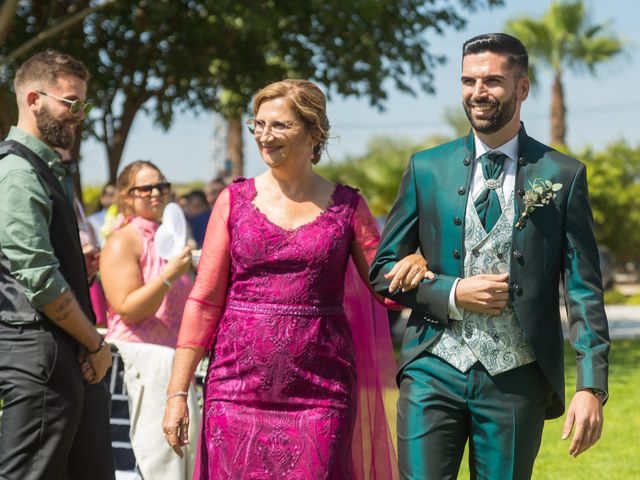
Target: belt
<point x="284" y="309"/>
<point x="22" y="326"/>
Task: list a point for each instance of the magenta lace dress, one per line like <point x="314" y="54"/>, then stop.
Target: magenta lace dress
<point x="281" y="389"/>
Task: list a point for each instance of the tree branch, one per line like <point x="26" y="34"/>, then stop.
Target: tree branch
<point x="52" y="31"/>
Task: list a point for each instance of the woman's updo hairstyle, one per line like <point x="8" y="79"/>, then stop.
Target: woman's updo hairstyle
<point x="309" y="103"/>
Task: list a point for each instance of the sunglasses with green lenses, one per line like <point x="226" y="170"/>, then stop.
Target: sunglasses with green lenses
<point x="74" y="105"/>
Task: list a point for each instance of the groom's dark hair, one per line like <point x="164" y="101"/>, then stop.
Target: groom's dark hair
<point x="500" y="43"/>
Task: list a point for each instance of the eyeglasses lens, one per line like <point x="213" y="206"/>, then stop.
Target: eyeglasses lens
<point x="146" y="191"/>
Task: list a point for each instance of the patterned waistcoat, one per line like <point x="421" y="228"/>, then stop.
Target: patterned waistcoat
<point x="497" y="342"/>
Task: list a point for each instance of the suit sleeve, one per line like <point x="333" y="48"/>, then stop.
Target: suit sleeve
<point x="588" y="328"/>
<point x="400" y="237"/>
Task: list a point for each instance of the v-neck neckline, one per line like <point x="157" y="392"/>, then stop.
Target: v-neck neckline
<point x="316" y="219"/>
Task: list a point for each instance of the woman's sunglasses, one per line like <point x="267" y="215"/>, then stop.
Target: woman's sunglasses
<point x="145" y="191"/>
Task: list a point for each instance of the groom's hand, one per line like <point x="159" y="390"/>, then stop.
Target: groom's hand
<point x="483" y="293"/>
<point x="585" y="413"/>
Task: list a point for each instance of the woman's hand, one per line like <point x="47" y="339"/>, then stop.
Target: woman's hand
<point x="175" y="423"/>
<point x="408" y="273"/>
<point x="178" y="265"/>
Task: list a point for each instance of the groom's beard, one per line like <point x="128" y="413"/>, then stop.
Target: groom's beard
<point x="502" y="115"/>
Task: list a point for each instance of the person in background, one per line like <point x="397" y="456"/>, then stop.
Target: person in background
<point x="146" y="296"/>
<point x="55" y="419"/>
<point x="97" y="219"/>
<point x="197" y="212"/>
<point x="213" y="189"/>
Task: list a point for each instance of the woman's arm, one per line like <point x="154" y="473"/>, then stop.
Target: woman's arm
<point x="407" y="273"/>
<point x="122" y="278"/>
<point x="199" y="320"/>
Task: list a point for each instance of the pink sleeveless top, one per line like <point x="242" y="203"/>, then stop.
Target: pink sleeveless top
<point x="162" y="327"/>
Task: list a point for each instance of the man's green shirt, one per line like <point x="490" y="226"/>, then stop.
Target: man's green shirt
<point x="25" y="215"/>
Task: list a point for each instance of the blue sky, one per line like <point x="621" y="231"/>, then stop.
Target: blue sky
<point x="600" y="109"/>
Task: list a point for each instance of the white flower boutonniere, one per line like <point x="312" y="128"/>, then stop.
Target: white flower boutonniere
<point x="542" y="193"/>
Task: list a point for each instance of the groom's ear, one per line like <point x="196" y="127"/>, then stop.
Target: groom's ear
<point x="524" y="84"/>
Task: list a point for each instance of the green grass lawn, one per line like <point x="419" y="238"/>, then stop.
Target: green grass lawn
<point x="617" y="453"/>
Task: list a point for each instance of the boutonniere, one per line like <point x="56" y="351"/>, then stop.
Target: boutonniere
<point x="542" y="193"/>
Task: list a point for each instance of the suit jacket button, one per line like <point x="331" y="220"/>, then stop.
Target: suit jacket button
<point x="467" y="161"/>
<point x="522" y="161"/>
<point x="517" y="289"/>
<point x="517" y="254"/>
<point x="521" y="193"/>
<point x="456" y="254"/>
<point x="457" y="221"/>
<point x="462" y="191"/>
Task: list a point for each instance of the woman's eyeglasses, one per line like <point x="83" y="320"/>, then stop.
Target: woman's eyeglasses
<point x="74" y="105"/>
<point x="145" y="191"/>
<point x="256" y="127"/>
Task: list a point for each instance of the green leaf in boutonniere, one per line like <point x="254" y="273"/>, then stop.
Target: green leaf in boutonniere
<point x="542" y="192"/>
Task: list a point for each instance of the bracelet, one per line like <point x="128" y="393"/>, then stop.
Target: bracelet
<point x="102" y="344"/>
<point x="168" y="283"/>
<point x="177" y="394"/>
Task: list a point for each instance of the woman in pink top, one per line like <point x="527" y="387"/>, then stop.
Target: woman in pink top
<point x="146" y="293"/>
<point x="146" y="296"/>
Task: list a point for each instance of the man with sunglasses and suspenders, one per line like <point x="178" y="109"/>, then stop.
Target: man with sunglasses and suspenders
<point x="55" y="420"/>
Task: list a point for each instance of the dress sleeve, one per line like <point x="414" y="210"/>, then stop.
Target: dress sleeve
<point x="205" y="304"/>
<point x="364" y="247"/>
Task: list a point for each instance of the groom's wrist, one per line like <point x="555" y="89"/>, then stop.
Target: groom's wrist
<point x="599" y="394"/>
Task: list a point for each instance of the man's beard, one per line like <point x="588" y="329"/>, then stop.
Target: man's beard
<point x="502" y="115"/>
<point x="55" y="132"/>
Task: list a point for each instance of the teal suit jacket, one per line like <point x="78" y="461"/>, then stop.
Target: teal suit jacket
<point x="557" y="241"/>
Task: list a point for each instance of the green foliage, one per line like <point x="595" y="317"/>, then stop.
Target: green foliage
<point x="564" y="37"/>
<point x="214" y="54"/>
<point x="614" y="190"/>
<point x="614" y="453"/>
<point x="614" y="297"/>
<point x="378" y="172"/>
<point x="91" y="198"/>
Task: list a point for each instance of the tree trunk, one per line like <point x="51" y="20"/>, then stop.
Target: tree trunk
<point x="8" y="111"/>
<point x="235" y="146"/>
<point x="558" y="112"/>
<point x="115" y="145"/>
<point x="7" y="15"/>
<point x="114" y="155"/>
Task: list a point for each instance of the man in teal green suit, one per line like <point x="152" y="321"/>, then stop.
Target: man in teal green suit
<point x="500" y="217"/>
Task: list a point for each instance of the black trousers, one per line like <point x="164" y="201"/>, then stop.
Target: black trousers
<point x="55" y="426"/>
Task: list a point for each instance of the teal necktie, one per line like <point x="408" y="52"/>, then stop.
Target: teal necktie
<point x="487" y="204"/>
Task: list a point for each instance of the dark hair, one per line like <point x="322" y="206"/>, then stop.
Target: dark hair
<point x="106" y="186"/>
<point x="307" y="101"/>
<point x="197" y="195"/>
<point x="47" y="67"/>
<point x="500" y="43"/>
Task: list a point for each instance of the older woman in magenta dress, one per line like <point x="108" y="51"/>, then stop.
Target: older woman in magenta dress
<point x="293" y="389"/>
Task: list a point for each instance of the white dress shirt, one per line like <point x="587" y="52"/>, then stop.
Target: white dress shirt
<point x="510" y="149"/>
